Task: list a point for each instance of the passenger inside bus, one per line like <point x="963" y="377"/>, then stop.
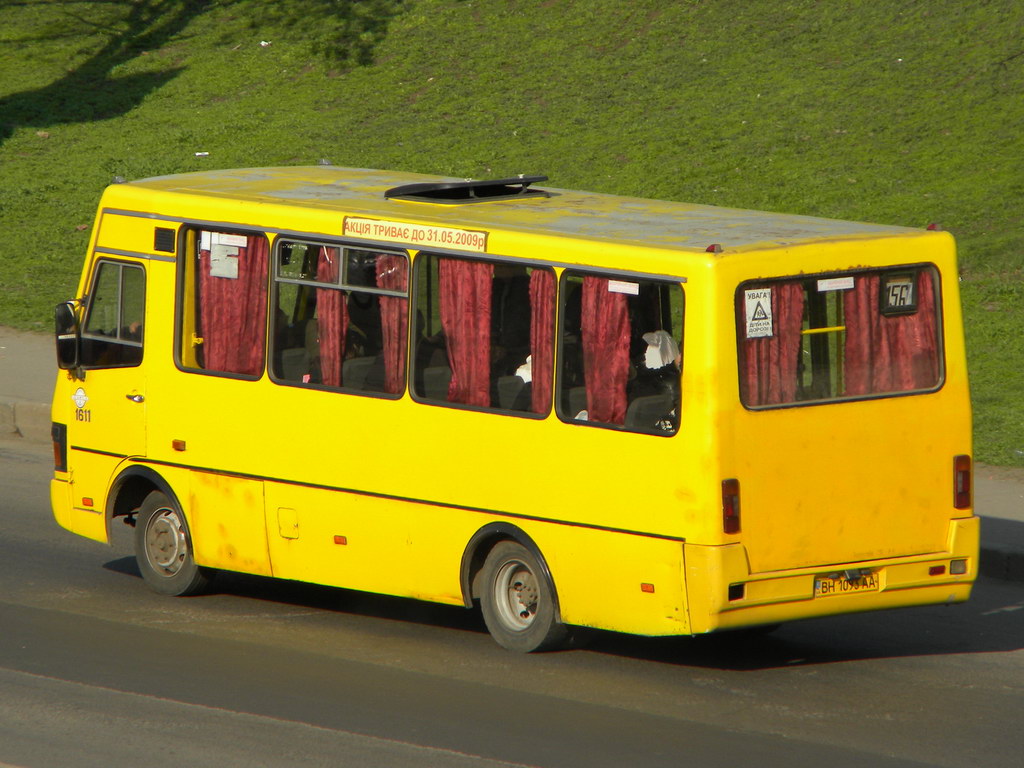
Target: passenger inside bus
<point x="478" y="323"/>
<point x="621" y="353"/>
<point x="331" y="330"/>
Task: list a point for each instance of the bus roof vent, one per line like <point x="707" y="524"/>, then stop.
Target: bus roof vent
<point x="461" y="192"/>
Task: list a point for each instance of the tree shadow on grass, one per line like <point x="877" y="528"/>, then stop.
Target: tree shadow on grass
<point x="345" y="32"/>
<point x="340" y="30"/>
<point x="90" y="92"/>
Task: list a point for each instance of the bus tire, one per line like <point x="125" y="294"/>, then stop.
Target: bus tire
<point x="163" y="549"/>
<point x="518" y="601"/>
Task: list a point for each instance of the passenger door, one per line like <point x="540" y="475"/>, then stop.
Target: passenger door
<point x="107" y="408"/>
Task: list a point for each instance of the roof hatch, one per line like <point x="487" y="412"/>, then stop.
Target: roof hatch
<point x="461" y="192"/>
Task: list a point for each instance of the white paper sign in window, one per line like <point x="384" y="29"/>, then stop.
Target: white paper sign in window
<point x="224" y="261"/>
<point x="835" y="284"/>
<point x="222" y="238"/>
<point x="758" y="306"/>
<point x="621" y="286"/>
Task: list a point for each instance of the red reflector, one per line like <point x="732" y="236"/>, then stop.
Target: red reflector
<point x="714" y="248"/>
<point x="87" y="501"/>
<point x="645" y="587"/>
<point x="59" y="433"/>
<point x="731" y="505"/>
<point x="962" y="482"/>
<point x="343" y="540"/>
<point x="936" y="570"/>
<point x="178" y="445"/>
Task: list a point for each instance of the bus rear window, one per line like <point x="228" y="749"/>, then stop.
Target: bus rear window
<point x="839" y="336"/>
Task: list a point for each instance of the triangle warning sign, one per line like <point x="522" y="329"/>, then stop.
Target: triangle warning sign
<point x="759" y="313"/>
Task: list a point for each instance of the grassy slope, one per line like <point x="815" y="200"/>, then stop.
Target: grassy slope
<point x="895" y="112"/>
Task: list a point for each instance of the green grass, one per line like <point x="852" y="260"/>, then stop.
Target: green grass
<point x="894" y="112"/>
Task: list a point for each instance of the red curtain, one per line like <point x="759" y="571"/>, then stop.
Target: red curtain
<point x="894" y="353"/>
<point x="542" y="337"/>
<point x="332" y="317"/>
<point x="768" y="373"/>
<point x="393" y="274"/>
<point x="233" y="310"/>
<point x="605" y="332"/>
<point x="465" y="304"/>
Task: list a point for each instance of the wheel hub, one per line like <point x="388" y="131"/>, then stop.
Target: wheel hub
<point x="517" y="595"/>
<point x="165" y="541"/>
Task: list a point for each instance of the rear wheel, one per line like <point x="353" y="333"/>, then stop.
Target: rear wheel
<point x="518" y="601"/>
<point x="163" y="548"/>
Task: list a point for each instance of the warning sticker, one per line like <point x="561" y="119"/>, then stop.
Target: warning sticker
<point x="758" y="313"/>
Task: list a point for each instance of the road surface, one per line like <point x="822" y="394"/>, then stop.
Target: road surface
<point x="96" y="670"/>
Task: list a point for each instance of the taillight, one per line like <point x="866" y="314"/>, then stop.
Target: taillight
<point x="731" y="505"/>
<point x="962" y="482"/>
<point x="59" y="433"/>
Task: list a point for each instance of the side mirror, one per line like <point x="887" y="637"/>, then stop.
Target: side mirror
<point x="69" y="339"/>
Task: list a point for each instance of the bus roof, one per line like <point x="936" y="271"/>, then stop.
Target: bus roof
<point x="585" y="215"/>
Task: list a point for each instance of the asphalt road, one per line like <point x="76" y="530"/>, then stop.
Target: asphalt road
<point x="95" y="670"/>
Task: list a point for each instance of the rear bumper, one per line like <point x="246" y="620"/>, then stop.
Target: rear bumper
<point x="778" y="596"/>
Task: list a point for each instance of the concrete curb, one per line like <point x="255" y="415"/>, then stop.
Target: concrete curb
<point x="25" y="419"/>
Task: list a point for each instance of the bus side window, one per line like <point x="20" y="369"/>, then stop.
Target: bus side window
<point x="484" y="333"/>
<point x="113" y="329"/>
<point x="341" y="317"/>
<point x="225" y="302"/>
<point x="621" y="353"/>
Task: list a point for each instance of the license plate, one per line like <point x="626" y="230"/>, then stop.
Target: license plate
<point x="826" y="586"/>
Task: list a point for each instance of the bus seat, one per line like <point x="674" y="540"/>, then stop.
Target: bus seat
<point x="510" y="390"/>
<point x="436" y="381"/>
<point x="294" y="363"/>
<point x="355" y="372"/>
<point x="645" y="412"/>
<point x="577" y="401"/>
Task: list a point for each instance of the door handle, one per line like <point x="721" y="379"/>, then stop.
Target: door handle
<point x="136" y="398"/>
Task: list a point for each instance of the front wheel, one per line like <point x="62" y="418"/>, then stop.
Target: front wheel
<point x="518" y="601"/>
<point x="163" y="548"/>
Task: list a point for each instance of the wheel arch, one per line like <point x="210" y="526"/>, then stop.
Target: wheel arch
<point x="482" y="542"/>
<point x="130" y="488"/>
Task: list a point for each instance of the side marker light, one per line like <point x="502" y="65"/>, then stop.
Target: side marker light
<point x="731" y="505"/>
<point x="962" y="482"/>
<point x="59" y="435"/>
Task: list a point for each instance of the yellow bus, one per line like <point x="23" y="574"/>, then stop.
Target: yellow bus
<point x="575" y="409"/>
